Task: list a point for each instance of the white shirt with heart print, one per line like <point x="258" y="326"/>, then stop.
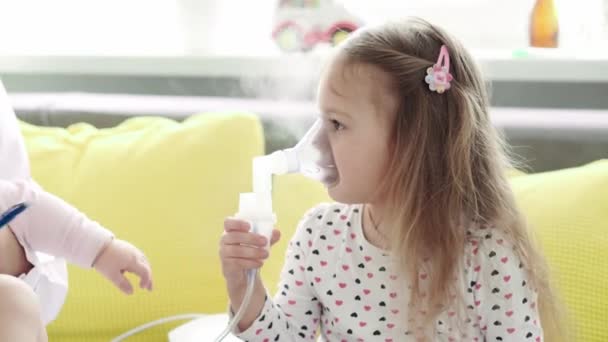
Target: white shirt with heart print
<point x="336" y="286"/>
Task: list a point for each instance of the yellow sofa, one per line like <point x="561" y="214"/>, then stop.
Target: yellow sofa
<point x="167" y="186"/>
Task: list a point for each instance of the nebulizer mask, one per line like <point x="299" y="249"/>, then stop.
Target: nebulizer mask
<point x="311" y="156"/>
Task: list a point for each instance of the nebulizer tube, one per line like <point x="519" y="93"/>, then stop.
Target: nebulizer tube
<point x="311" y="157"/>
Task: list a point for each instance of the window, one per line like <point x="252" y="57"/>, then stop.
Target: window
<point x="242" y="27"/>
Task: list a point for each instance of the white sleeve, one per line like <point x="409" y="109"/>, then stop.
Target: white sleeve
<point x="51" y="225"/>
<point x="15" y="164"/>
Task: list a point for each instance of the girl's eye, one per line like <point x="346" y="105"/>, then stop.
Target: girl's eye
<point x="336" y="125"/>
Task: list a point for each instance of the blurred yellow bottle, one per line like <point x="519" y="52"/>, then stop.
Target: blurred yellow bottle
<point x="544" y="28"/>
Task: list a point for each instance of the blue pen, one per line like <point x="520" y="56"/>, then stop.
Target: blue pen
<point x="11" y="213"/>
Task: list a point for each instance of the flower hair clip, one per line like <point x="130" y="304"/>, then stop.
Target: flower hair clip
<point x="438" y="76"/>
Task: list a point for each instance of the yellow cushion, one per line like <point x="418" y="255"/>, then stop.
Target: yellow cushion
<point x="167" y="187"/>
<point x="162" y="185"/>
<point x="569" y="211"/>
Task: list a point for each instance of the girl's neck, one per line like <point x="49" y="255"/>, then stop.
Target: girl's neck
<point x="376" y="231"/>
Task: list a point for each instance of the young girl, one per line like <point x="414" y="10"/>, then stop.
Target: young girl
<point x="33" y="284"/>
<point x="426" y="242"/>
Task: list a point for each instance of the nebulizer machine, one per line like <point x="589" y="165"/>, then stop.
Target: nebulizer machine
<point x="311" y="156"/>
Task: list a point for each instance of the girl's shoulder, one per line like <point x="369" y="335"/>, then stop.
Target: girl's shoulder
<point x="491" y="252"/>
<point x="486" y="238"/>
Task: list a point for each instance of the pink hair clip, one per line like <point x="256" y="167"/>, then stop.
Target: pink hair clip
<point x="438" y="76"/>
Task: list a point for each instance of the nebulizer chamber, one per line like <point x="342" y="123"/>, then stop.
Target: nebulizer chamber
<point x="312" y="157"/>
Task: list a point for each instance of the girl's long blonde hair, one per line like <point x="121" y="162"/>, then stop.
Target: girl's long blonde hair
<point x="447" y="163"/>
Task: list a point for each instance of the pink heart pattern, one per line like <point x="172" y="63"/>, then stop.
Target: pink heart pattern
<point x="336" y="281"/>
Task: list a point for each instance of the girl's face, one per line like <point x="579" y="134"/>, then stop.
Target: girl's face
<point x="358" y="108"/>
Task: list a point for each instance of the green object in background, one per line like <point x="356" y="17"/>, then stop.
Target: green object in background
<point x="520" y="53"/>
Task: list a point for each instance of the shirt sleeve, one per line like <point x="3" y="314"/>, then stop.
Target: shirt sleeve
<point x="295" y="311"/>
<point x="502" y="296"/>
<point x="13" y="156"/>
<point x="52" y="226"/>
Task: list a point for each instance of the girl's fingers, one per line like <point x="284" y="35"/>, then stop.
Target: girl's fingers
<point x="276" y="236"/>
<point x="234" y="225"/>
<point x="241" y="249"/>
<point x="237" y="238"/>
<point x="246" y="252"/>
